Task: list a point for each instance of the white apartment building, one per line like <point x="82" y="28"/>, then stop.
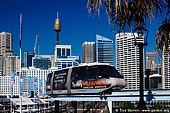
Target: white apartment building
<point x="5" y="85"/>
<point x="127" y="58"/>
<point x="35" y="73"/>
<point x="165" y="70"/>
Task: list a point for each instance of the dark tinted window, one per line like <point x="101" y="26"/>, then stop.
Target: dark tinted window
<point x="79" y="73"/>
<point x="63" y="52"/>
<point x="49" y="78"/>
<point x="58" y="51"/>
<point x="93" y="72"/>
<point x="113" y="72"/>
<point x="67" y="52"/>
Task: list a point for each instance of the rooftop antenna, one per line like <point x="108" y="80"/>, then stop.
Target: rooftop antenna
<point x="57" y="16"/>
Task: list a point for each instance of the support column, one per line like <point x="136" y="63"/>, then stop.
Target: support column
<point x="75" y="106"/>
<point x="57" y="106"/>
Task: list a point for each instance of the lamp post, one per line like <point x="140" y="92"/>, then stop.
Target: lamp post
<point x="141" y="31"/>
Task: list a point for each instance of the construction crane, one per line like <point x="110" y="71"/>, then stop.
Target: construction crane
<point x="35" y="46"/>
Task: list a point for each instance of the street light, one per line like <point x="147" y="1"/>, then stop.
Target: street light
<point x="142" y="34"/>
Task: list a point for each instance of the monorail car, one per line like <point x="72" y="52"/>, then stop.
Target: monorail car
<point x="91" y="78"/>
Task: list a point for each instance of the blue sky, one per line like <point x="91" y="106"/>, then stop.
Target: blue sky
<point x="39" y="17"/>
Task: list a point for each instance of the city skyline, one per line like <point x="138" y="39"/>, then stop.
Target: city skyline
<point x="77" y="25"/>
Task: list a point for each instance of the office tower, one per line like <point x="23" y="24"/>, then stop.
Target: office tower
<point x="28" y="58"/>
<point x="165" y="70"/>
<point x="12" y="63"/>
<point x="5" y="42"/>
<point x="88" y="55"/>
<point x="41" y="62"/>
<point x="104" y="50"/>
<point x="127" y="58"/>
<point x="151" y="61"/>
<point x="9" y="62"/>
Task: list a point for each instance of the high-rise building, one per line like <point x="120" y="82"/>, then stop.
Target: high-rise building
<point x="28" y="58"/>
<point x="5" y="42"/>
<point x="104" y="50"/>
<point x="11" y="63"/>
<point x="165" y="70"/>
<point x="127" y="58"/>
<point x="88" y="55"/>
<point x="151" y="61"/>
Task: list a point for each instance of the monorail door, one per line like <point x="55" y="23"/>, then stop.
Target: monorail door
<point x="68" y="83"/>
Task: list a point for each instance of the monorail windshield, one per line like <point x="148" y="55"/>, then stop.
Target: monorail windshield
<point x="60" y="78"/>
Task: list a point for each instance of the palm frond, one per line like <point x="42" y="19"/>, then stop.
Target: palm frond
<point x="162" y="38"/>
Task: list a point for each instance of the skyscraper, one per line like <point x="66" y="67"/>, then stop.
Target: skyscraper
<point x="127" y="58"/>
<point x="165" y="70"/>
<point x="151" y="61"/>
<point x="5" y="42"/>
<point x="104" y="50"/>
<point x="88" y="55"/>
<point x="28" y="58"/>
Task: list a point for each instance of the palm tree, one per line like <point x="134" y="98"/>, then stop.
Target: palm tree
<point x="128" y="13"/>
<point x="162" y="37"/>
<point x="132" y="14"/>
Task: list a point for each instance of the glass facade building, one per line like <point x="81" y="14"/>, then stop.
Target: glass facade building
<point x="42" y="63"/>
<point x="28" y="58"/>
<point x="104" y="50"/>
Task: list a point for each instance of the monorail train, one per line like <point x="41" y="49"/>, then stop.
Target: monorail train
<point x="91" y="78"/>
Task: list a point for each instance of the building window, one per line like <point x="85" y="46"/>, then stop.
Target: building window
<point x="58" y="51"/>
<point x="63" y="52"/>
<point x="67" y="52"/>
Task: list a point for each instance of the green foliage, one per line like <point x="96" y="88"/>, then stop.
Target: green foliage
<point x="158" y="106"/>
<point x="128" y="105"/>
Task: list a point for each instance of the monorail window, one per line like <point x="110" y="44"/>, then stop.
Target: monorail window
<point x="79" y="73"/>
<point x="93" y="72"/>
<point x="108" y="71"/>
<point x="103" y="72"/>
<point x="114" y="72"/>
<point x="49" y="78"/>
<point x="60" y="78"/>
